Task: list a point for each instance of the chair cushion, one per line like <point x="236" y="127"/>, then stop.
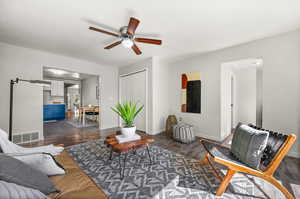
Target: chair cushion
<point x="275" y="142"/>
<point x="222" y="152"/>
<point x="91" y="113"/>
<point x="248" y="145"/>
<point x="17" y="172"/>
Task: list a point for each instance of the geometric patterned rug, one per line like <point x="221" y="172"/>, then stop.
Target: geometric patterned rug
<point x="170" y="176"/>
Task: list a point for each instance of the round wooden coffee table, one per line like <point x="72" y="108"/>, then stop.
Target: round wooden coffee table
<point x="126" y="147"/>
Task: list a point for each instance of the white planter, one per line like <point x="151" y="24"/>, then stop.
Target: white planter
<point x="128" y="132"/>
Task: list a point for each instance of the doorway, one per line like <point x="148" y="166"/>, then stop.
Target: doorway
<point x="71" y="103"/>
<point x="241" y="94"/>
<point x="133" y="87"/>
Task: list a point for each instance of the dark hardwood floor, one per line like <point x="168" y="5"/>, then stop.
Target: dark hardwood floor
<point x="62" y="127"/>
<point x="288" y="172"/>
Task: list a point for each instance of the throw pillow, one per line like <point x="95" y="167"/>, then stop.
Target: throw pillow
<point x="248" y="145"/>
<point x="3" y="135"/>
<point x="15" y="171"/>
<point x="43" y="162"/>
<point x="14" y="191"/>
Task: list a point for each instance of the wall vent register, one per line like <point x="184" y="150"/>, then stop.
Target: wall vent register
<point x="25" y="137"/>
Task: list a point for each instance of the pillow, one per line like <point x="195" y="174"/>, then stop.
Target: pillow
<point x="15" y="171"/>
<point x="43" y="162"/>
<point x="248" y="145"/>
<point x="14" y="191"/>
<point x="3" y="135"/>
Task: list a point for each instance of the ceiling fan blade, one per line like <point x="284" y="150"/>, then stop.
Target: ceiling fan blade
<point x="103" y="31"/>
<point x="112" y="45"/>
<point x="149" y="41"/>
<point x="136" y="49"/>
<point x="133" y="24"/>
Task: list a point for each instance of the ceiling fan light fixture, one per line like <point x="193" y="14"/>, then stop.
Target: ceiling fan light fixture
<point x="127" y="43"/>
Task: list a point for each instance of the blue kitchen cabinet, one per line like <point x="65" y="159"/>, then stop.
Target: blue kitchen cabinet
<point x="54" y="112"/>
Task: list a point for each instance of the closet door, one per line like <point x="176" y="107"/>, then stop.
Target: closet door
<point x="133" y="88"/>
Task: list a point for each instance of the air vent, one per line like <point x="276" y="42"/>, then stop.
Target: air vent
<point x="25" y="137"/>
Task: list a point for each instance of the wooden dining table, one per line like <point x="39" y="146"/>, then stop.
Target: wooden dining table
<point x="84" y="109"/>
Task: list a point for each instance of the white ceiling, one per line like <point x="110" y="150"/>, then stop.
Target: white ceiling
<point x="56" y="73"/>
<point x="186" y="27"/>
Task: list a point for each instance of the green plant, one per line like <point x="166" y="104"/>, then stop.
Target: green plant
<point x="127" y="111"/>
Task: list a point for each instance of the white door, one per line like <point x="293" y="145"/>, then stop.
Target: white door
<point x="133" y="88"/>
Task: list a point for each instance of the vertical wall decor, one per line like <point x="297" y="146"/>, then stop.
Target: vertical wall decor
<point x="191" y="92"/>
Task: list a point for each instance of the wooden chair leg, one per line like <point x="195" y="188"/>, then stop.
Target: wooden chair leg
<point x="216" y="173"/>
<point x="225" y="182"/>
<point x="204" y="161"/>
<point x="273" y="181"/>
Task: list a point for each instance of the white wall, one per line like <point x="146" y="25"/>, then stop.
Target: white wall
<point x="28" y="104"/>
<point x="245" y="95"/>
<point x="259" y="96"/>
<point x="48" y="99"/>
<point x="160" y="96"/>
<point x="281" y="86"/>
<point x="88" y="90"/>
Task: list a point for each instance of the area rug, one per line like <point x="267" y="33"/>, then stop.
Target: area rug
<point x="171" y="175"/>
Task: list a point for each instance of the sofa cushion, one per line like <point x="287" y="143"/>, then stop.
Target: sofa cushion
<point x="15" y="171"/>
<point x="14" y="191"/>
<point x="248" y="145"/>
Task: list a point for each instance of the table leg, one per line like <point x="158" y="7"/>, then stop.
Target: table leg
<point x="122" y="170"/>
<point x="120" y="165"/>
<point x="149" y="154"/>
<point x="134" y="151"/>
<point x="110" y="156"/>
<point x="83" y="118"/>
<point x="124" y="164"/>
<point x="79" y="115"/>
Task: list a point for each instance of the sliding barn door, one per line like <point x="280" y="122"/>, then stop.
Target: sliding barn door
<point x="133" y="88"/>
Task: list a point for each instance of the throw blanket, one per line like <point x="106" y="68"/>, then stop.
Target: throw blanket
<point x="10" y="147"/>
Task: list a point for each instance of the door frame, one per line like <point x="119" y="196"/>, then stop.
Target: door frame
<point x="100" y="89"/>
<point x="225" y="91"/>
<point x="226" y="95"/>
<point x="146" y="105"/>
<point x="233" y="100"/>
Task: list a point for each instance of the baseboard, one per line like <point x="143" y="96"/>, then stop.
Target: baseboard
<point x="155" y="132"/>
<point x="294" y="154"/>
<point x="207" y="136"/>
<point x="109" y="130"/>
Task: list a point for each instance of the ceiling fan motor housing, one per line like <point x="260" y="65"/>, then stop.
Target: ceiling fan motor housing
<point x="123" y="33"/>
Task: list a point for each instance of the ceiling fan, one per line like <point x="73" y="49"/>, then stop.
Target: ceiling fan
<point x="127" y="36"/>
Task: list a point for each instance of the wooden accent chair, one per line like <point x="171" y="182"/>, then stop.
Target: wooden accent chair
<point x="277" y="147"/>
